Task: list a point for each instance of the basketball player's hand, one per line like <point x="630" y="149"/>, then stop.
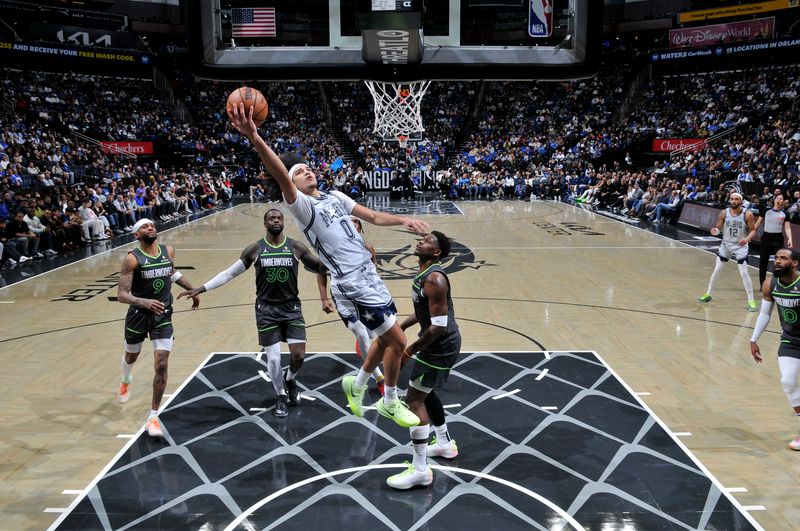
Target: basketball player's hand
<point x="155" y="306"/>
<point x="416" y="226"/>
<point x="195" y="302"/>
<point x="755" y="351"/>
<point x="327" y="306"/>
<point x="714" y="231"/>
<point x="242" y="120"/>
<point x="743" y="242"/>
<point x="193" y="293"/>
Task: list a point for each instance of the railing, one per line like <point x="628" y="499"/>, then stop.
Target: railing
<point x="161" y="82"/>
<point x="634" y="92"/>
<point x="795" y="103"/>
<point x="709" y="140"/>
<point x="112" y="148"/>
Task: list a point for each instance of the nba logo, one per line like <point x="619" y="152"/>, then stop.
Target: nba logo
<point x="540" y="18"/>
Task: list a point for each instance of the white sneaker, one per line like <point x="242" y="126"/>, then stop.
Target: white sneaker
<point x="794" y="444"/>
<point x="448" y="451"/>
<point x="23" y="259"/>
<point x="11" y="262"/>
<point x="410" y="477"/>
<point x="153" y="428"/>
<point x="50" y="252"/>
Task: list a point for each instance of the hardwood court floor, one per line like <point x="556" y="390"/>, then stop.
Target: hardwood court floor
<point x="527" y="276"/>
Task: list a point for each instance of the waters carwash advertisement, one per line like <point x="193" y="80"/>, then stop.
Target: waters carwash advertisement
<point x="540" y="18"/>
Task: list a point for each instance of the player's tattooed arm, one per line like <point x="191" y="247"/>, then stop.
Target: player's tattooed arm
<point x="311" y="262"/>
<point x="124" y="294"/>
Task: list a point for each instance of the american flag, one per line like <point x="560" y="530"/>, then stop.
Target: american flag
<point x="253" y="22"/>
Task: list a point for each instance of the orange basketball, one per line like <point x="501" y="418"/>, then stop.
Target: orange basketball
<point x="250" y="97"/>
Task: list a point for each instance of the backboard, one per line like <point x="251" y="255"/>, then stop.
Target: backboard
<point x="394" y="40"/>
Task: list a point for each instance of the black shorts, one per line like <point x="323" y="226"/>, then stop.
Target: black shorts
<point x="789" y="350"/>
<point x="139" y="323"/>
<point x="280" y="322"/>
<point x="431" y="369"/>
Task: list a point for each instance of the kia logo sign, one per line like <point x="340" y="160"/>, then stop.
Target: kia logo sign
<point x="674" y="144"/>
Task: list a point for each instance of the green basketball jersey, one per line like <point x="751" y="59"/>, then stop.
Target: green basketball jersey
<point x="787" y="298"/>
<point x="276" y="272"/>
<point x="151" y="278"/>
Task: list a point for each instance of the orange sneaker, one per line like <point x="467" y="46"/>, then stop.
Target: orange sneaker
<point x="153" y="428"/>
<point x="124" y="392"/>
<point x="358" y="350"/>
<point x="379" y="385"/>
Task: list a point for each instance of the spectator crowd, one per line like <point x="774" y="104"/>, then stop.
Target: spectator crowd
<point x="61" y="190"/>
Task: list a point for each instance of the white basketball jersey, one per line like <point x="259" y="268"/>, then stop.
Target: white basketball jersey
<point x="325" y="221"/>
<point x="735" y="228"/>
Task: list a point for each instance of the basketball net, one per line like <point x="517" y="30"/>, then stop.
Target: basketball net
<point x="397" y="108"/>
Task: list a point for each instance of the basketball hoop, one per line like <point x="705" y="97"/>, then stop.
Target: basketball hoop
<point x="397" y="108"/>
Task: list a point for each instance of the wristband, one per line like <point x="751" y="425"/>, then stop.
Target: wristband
<point x="175" y="276"/>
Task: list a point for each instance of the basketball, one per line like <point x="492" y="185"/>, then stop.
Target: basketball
<point x="250" y="97"/>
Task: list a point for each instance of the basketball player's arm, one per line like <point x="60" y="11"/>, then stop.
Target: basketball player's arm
<point x="322" y="285"/>
<point x="763" y="319"/>
<point x="749" y="222"/>
<point x="180" y="280"/>
<point x="241" y="265"/>
<point x="716" y="229"/>
<point x="384" y="219"/>
<point x="124" y="294"/>
<point x="759" y="221"/>
<point x="243" y="122"/>
<point x="436" y="289"/>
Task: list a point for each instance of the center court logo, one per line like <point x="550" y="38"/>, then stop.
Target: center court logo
<point x="402" y="264"/>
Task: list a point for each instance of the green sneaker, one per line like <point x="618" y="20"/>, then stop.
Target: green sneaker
<point x="705" y="298"/>
<point x="410" y="477"/>
<point x="354" y="394"/>
<point x="751" y="306"/>
<point x="398" y="411"/>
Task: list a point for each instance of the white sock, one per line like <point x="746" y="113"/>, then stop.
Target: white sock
<point x="717" y="268"/>
<point x="442" y="435"/>
<point x="290" y="375"/>
<point x="377" y="374"/>
<point x="748" y="283"/>
<point x="126" y="369"/>
<point x="420" y="433"/>
<point x="390" y="394"/>
<point x="153" y="414"/>
<point x="362" y="378"/>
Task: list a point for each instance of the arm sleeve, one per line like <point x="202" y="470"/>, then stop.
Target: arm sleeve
<point x="763" y="320"/>
<point x="226" y="276"/>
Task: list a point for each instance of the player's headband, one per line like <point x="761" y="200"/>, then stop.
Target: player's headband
<point x="294" y="169"/>
<point x="141" y="223"/>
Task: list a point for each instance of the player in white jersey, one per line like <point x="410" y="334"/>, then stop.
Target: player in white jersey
<point x="737" y="227"/>
<point x="324" y="218"/>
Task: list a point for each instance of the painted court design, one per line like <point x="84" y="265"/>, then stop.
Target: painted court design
<point x="540" y="435"/>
